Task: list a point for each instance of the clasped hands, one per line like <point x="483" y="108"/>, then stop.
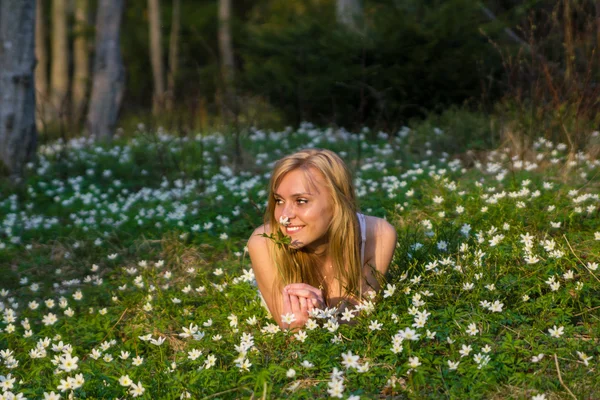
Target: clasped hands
<point x="300" y="299"/>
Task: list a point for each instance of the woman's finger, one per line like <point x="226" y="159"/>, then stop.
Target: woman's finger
<point x="295" y="303"/>
<point x="307" y="294"/>
<point x="303" y="305"/>
<point x="303" y="286"/>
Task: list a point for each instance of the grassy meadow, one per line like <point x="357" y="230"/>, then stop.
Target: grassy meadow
<point x="125" y="274"/>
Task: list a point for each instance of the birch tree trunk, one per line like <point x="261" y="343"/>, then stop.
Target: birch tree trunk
<point x="108" y="79"/>
<point x="156" y="58"/>
<point x="226" y="55"/>
<point x="173" y="53"/>
<point x="18" y="135"/>
<point x="81" y="61"/>
<point x="41" y="67"/>
<point x="349" y="14"/>
<point x="59" y="71"/>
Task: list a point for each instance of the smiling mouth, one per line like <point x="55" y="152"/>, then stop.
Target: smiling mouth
<point x="293" y="229"/>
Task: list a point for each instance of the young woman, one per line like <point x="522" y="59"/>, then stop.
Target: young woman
<point x="335" y="254"/>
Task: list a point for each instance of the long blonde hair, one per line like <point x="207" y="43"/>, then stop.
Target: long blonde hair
<point x="299" y="265"/>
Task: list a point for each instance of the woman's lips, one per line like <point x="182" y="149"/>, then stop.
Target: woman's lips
<point x="290" y="230"/>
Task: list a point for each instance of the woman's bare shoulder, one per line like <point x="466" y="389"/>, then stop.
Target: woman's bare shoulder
<point x="265" y="228"/>
<point x="380" y="243"/>
<point x="379" y="227"/>
<point x="257" y="239"/>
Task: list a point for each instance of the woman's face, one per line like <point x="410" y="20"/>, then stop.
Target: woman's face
<point x="308" y="206"/>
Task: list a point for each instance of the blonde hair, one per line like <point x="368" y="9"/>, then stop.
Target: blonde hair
<point x="299" y="265"/>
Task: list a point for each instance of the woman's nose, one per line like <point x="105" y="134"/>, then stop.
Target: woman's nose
<point x="288" y="212"/>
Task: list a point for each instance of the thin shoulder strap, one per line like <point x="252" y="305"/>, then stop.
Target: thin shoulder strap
<point x="363" y="237"/>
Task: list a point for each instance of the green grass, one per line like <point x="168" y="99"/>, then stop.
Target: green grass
<point x="151" y="232"/>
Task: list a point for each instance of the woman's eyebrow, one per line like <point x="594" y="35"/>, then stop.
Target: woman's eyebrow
<point x="294" y="195"/>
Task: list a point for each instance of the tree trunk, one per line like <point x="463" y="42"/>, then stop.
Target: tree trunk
<point x="18" y="135"/>
<point x="349" y="14"/>
<point x="173" y="53"/>
<point x="81" y="61"/>
<point x="59" y="72"/>
<point x="41" y="68"/>
<point x="598" y="31"/>
<point x="569" y="45"/>
<point x="227" y="63"/>
<point x="108" y="79"/>
<point x="158" y="99"/>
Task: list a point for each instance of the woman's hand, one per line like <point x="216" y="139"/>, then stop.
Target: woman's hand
<point x="299" y="299"/>
<point x="308" y="296"/>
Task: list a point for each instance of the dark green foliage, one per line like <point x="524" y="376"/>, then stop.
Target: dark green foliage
<point x="411" y="58"/>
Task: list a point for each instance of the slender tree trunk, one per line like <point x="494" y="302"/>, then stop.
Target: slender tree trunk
<point x="227" y="61"/>
<point x="41" y="68"/>
<point x="598" y="31"/>
<point x="18" y="135"/>
<point x="59" y="72"/>
<point x="81" y="61"/>
<point x="173" y="53"/>
<point x="569" y="45"/>
<point x="156" y="57"/>
<point x="349" y="14"/>
<point x="108" y="79"/>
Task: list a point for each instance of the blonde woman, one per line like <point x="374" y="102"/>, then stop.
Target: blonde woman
<point x="334" y="255"/>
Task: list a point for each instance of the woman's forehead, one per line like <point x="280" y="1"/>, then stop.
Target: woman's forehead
<point x="307" y="180"/>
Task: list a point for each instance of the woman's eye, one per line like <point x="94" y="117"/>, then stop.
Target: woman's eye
<point x="301" y="201"/>
<point x="278" y="201"/>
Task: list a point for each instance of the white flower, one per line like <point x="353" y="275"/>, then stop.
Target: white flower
<point x="125" y="380"/>
<point x="389" y="291"/>
<point x="288" y="318"/>
<point x="537" y="358"/>
<point x="413" y="362"/>
<point x="307" y="364"/>
<point x="472" y="329"/>
<point x="301" y="336"/>
<point x="210" y="361"/>
<point x="283" y="220"/>
<point x="194" y="354"/>
<point x="68" y="363"/>
<point x="336" y="388"/>
<point x="592" y="266"/>
<point x="375" y="326"/>
<point x="465" y="350"/>
<point x="158" y="341"/>
<point x="112" y="256"/>
<point x="137" y="361"/>
<point x="49" y="319"/>
<point x="136" y="390"/>
<point x="51" y="396"/>
<point x="584" y="358"/>
<point x="539" y="397"/>
<point x="453" y="365"/>
<point x="349" y="360"/>
<point x="409" y="334"/>
<point x="556" y="332"/>
<point x="290" y="373"/>
<point x="496" y="306"/>
<point x="7" y="382"/>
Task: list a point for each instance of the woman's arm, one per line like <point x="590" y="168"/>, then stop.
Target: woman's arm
<point x="265" y="273"/>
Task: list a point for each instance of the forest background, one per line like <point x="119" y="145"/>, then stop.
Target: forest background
<point x="193" y="65"/>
